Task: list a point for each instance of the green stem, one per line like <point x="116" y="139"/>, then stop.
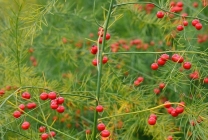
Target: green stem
<point x="100" y="70"/>
<point x="117" y="5"/>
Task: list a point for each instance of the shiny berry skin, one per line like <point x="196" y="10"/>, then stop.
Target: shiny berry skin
<point x="17" y="114"/>
<point x="154" y="66"/>
<point x="161" y="85"/>
<point x="52" y="134"/>
<point x="185" y="23"/>
<point x="194" y="22"/>
<point x="101" y="127"/>
<point x="153" y="116"/>
<point x="198" y="26"/>
<point x="167" y="104"/>
<point x="60" y="100"/>
<point x="105" y="133"/>
<point x="44" y="96"/>
<point x="156" y="91"/>
<point x="152" y="121"/>
<point x="206" y="80"/>
<point x="2" y="92"/>
<point x="164" y="57"/>
<point x="179" y="4"/>
<point x="31" y="105"/>
<point x="26" y="95"/>
<point x="60" y="109"/>
<point x="161" y="62"/>
<point x="136" y="83"/>
<point x="160" y="14"/>
<point x="170" y="138"/>
<point x="180" y="28"/>
<point x="100" y="40"/>
<point x="170" y="109"/>
<point x="179" y="110"/>
<point x="140" y="79"/>
<point x="107" y="37"/>
<point x="174" y="113"/>
<point x="44" y="136"/>
<point x="52" y="95"/>
<point x="94" y="49"/>
<point x="105" y="59"/>
<point x="177" y="58"/>
<point x="187" y="65"/>
<point x="94" y="62"/>
<point x="54" y="105"/>
<point x="99" y="108"/>
<point x="25" y="125"/>
<point x="42" y="129"/>
<point x="21" y="107"/>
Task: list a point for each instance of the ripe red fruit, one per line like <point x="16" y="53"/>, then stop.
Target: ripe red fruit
<point x="153" y="116"/>
<point x="17" y="114"/>
<point x="25" y="125"/>
<point x="94" y="62"/>
<point x="21" y="107"/>
<point x="31" y="105"/>
<point x="164" y="57"/>
<point x="52" y="95"/>
<point x="187" y="65"/>
<point x="194" y="22"/>
<point x="105" y="59"/>
<point x="140" y="79"/>
<point x="185" y="23"/>
<point x="105" y="133"/>
<point x="179" y="4"/>
<point x="154" y="66"/>
<point x="179" y="27"/>
<point x="44" y="136"/>
<point x="26" y="95"/>
<point x="54" y="105"/>
<point x="136" y="83"/>
<point x="52" y="134"/>
<point x="195" y="4"/>
<point x="94" y="49"/>
<point x="194" y="75"/>
<point x="107" y="37"/>
<point x="177" y="58"/>
<point x="206" y="80"/>
<point x="170" y="138"/>
<point x="101" y="127"/>
<point x="88" y="131"/>
<point x="42" y="129"/>
<point x="160" y="14"/>
<point x="161" y="62"/>
<point x="170" y="109"/>
<point x="44" y="96"/>
<point x="151" y="121"/>
<point x="60" y="109"/>
<point x="167" y="105"/>
<point x="100" y="40"/>
<point x="174" y="113"/>
<point x="179" y="110"/>
<point x="161" y="85"/>
<point x="198" y="26"/>
<point x="156" y="91"/>
<point x="99" y="108"/>
<point x="60" y="100"/>
<point x="2" y="92"/>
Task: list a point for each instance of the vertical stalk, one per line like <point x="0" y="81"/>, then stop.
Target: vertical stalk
<point x="100" y="52"/>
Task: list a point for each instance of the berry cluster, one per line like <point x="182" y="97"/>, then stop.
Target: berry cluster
<point x="138" y="81"/>
<point x="45" y="136"/>
<point x="152" y="119"/>
<point x="174" y="111"/>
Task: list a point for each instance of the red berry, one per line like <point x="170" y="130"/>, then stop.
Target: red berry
<point x="21" y="107"/>
<point x="174" y="113"/>
<point x="54" y="105"/>
<point x="31" y="105"/>
<point x="101" y="127"/>
<point x="167" y="105"/>
<point x="161" y="62"/>
<point x="17" y="114"/>
<point x="179" y="110"/>
<point x="107" y="37"/>
<point x="88" y="131"/>
<point x="44" y="136"/>
<point x="194" y="22"/>
<point x="105" y="133"/>
<point x="161" y="85"/>
<point x="179" y="4"/>
<point x="154" y="66"/>
<point x="195" y="4"/>
<point x="42" y="129"/>
<point x="187" y="65"/>
<point x="94" y="49"/>
<point x="100" y="40"/>
<point x="136" y="83"/>
<point x="179" y="27"/>
<point x="25" y="125"/>
<point x="206" y="80"/>
<point x="164" y="57"/>
<point x="60" y="100"/>
<point x="94" y="62"/>
<point x="185" y="23"/>
<point x="26" y="95"/>
<point x="52" y="95"/>
<point x="99" y="108"/>
<point x="140" y="79"/>
<point x="105" y="59"/>
<point x="153" y="116"/>
<point x="170" y="138"/>
<point x="156" y="91"/>
<point x="160" y="14"/>
<point x="170" y="109"/>
<point x="198" y="26"/>
<point x="44" y="96"/>
<point x="52" y="134"/>
<point x="152" y="121"/>
<point x="177" y="58"/>
<point x="2" y="92"/>
<point x="60" y="109"/>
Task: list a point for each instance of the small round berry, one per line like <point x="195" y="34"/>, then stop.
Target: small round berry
<point x="60" y="109"/>
<point x="170" y="138"/>
<point x="136" y="83"/>
<point x="26" y="95"/>
<point x="17" y="114"/>
<point x="105" y="59"/>
<point x="25" y="125"/>
<point x="161" y="85"/>
<point x="167" y="104"/>
<point x="88" y="131"/>
<point x="2" y="92"/>
<point x="179" y="110"/>
<point x="160" y="14"/>
<point x="185" y="23"/>
<point x="105" y="133"/>
<point x="42" y="129"/>
<point x="198" y="26"/>
<point x="31" y="105"/>
<point x="54" y="105"/>
<point x="187" y="65"/>
<point x="179" y="4"/>
<point x="101" y="126"/>
<point x="195" y="4"/>
<point x="44" y="136"/>
<point x="60" y="100"/>
<point x="94" y="62"/>
<point x="152" y="121"/>
<point x="174" y="113"/>
<point x="206" y="80"/>
<point x="100" y="40"/>
<point x="140" y="79"/>
<point x="180" y="28"/>
<point x="94" y="49"/>
<point x="164" y="57"/>
<point x="194" y="22"/>
<point x="52" y="95"/>
<point x="156" y="91"/>
<point x="44" y="96"/>
<point x="161" y="62"/>
<point x="153" y="116"/>
<point x="99" y="108"/>
<point x="52" y="134"/>
<point x="170" y="109"/>
<point x="154" y="66"/>
<point x="107" y="37"/>
<point x="21" y="107"/>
